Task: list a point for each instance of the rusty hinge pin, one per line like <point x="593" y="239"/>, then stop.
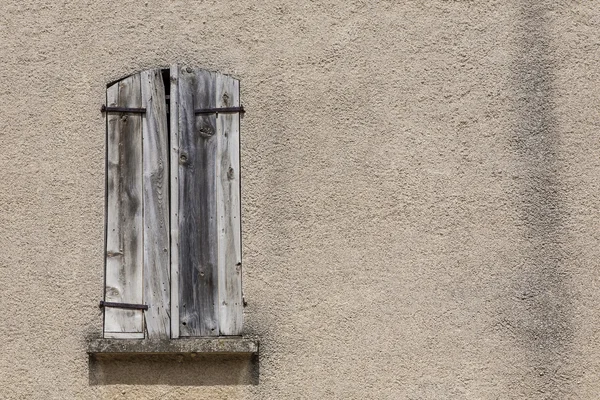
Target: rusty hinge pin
<point x="123" y="305"/>
<point x="220" y="110"/>
<point x="123" y="110"/>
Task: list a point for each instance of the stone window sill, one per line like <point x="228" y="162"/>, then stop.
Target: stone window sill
<point x="189" y="346"/>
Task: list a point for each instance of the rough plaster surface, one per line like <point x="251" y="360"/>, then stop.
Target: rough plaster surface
<point x="421" y="202"/>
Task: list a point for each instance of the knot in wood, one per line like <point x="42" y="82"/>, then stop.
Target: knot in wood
<point x="206" y="132"/>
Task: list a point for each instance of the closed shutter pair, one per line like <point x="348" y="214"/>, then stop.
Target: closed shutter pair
<point x="173" y="229"/>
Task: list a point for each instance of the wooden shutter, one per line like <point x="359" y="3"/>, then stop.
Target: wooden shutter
<point x="137" y="232"/>
<point x="173" y="230"/>
<point x="206" y="229"/>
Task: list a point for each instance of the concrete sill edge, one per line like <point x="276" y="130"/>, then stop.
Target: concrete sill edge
<point x="219" y="345"/>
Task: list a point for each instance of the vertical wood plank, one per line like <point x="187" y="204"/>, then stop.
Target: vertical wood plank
<point x="197" y="206"/>
<point x="124" y="212"/>
<point x="156" y="206"/>
<point x="174" y="203"/>
<point x="228" y="209"/>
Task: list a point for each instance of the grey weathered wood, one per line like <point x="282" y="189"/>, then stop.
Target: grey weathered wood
<point x="124" y="335"/>
<point x="174" y="201"/>
<point x="228" y="209"/>
<point x="198" y="288"/>
<point x="124" y="211"/>
<point x="156" y="206"/>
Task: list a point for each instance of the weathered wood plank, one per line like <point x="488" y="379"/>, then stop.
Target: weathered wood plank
<point x="174" y="204"/>
<point x="156" y="206"/>
<point x="198" y="287"/>
<point x="124" y="211"/>
<point x="124" y="335"/>
<point x="228" y="209"/>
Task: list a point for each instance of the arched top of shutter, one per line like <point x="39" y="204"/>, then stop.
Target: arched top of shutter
<point x="171" y="69"/>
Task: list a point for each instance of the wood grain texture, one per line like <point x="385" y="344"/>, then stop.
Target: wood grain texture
<point x="124" y="247"/>
<point x="174" y="199"/>
<point x="198" y="289"/>
<point x="124" y="335"/>
<point x="156" y="206"/>
<point x="228" y="209"/>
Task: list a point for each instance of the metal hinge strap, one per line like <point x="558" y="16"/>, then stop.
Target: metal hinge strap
<point x="220" y="110"/>
<point x="123" y="110"/>
<point x="223" y="110"/>
<point x="123" y="305"/>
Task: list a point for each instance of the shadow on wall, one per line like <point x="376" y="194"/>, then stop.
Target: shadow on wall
<point x="540" y="313"/>
<point x="181" y="370"/>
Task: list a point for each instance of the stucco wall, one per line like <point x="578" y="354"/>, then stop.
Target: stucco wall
<point x="421" y="202"/>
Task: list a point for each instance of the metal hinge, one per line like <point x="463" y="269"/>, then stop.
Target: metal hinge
<point x="200" y="111"/>
<point x="123" y="305"/>
<point x="123" y="110"/>
<point x="220" y="110"/>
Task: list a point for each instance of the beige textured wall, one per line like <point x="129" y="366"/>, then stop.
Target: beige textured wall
<point x="421" y="200"/>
